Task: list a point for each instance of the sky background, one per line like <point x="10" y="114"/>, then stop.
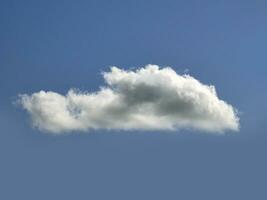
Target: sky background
<point x="57" y="45"/>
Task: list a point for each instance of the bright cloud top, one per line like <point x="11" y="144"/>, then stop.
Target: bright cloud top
<point x="150" y="98"/>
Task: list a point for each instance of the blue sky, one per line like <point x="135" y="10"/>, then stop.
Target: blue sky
<point x="56" y="45"/>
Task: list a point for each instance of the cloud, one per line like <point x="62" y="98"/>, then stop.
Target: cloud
<point x="150" y="98"/>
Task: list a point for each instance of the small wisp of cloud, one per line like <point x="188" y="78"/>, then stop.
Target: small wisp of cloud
<point x="148" y="98"/>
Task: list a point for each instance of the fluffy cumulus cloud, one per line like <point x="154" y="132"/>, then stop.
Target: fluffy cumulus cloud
<point x="149" y="98"/>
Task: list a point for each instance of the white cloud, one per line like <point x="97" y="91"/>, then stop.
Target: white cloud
<point x="150" y="98"/>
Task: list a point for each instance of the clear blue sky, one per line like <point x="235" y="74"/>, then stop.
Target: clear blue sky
<point x="56" y="45"/>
